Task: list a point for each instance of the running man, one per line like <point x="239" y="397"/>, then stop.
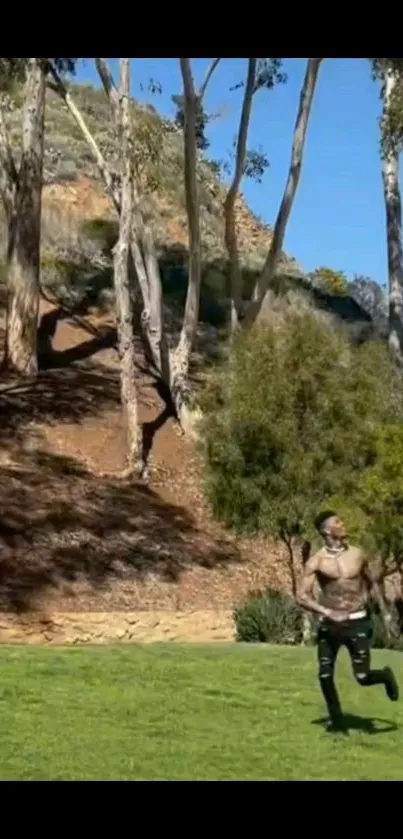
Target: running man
<point x="345" y="581"/>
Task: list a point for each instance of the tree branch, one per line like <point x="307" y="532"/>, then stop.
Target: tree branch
<point x="182" y="353"/>
<point x="109" y="87"/>
<point x="229" y="203"/>
<point x="209" y="74"/>
<point x="192" y="201"/>
<point x="109" y="178"/>
<point x="300" y="131"/>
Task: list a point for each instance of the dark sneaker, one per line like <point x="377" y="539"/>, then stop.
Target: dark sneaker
<point x="391" y="686"/>
<point x="337" y="725"/>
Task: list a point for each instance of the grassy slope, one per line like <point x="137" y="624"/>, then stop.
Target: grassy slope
<point x="174" y="712"/>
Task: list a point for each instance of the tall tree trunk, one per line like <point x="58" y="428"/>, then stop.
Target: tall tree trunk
<point x="172" y="368"/>
<point x="393" y="205"/>
<point x="155" y="330"/>
<point x="180" y="360"/>
<point x="300" y="131"/>
<point x="144" y="258"/>
<point x="229" y="203"/>
<point x="124" y="315"/>
<point x="24" y="250"/>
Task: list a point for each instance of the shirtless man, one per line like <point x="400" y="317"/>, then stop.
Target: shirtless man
<point x="345" y="581"/>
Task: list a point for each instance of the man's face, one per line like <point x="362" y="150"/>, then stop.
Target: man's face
<point x="336" y="528"/>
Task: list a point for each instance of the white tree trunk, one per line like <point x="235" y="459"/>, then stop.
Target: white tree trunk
<point x="123" y="297"/>
<point x="173" y="368"/>
<point x="393" y="205"/>
<point x="300" y="131"/>
<point x="144" y="258"/>
<point x="231" y="243"/>
<point x="180" y="359"/>
<point x="24" y="248"/>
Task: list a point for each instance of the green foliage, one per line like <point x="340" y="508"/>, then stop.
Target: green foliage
<point x="392" y="117"/>
<point x="379" y="495"/>
<point x="12" y="73"/>
<point x="333" y="281"/>
<point x="293" y="422"/>
<point x="202" y="120"/>
<point x="102" y="231"/>
<point x="269" y="72"/>
<point x="12" y="70"/>
<point x="256" y="163"/>
<point x="272" y="617"/>
<point x="64" y="65"/>
<point x="268" y="616"/>
<point x="149" y="133"/>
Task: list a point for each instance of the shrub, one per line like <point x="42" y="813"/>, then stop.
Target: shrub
<point x="380" y="495"/>
<point x="292" y="423"/>
<point x="334" y="282"/>
<point x="268" y="616"/>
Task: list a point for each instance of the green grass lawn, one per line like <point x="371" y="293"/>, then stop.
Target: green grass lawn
<point x="166" y="712"/>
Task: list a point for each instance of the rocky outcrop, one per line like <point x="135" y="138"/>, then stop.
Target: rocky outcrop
<point x="117" y="627"/>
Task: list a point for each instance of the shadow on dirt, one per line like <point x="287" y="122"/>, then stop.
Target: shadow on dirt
<point x="49" y="358"/>
<point x="62" y="524"/>
<point x="64" y="395"/>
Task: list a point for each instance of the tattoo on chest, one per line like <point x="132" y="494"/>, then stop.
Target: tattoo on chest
<point x="348" y="595"/>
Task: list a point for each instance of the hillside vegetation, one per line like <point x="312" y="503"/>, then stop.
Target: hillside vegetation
<point x="79" y="223"/>
<point x="76" y="244"/>
<point x="70" y="525"/>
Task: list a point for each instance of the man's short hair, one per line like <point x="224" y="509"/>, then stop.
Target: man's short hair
<point x="322" y="518"/>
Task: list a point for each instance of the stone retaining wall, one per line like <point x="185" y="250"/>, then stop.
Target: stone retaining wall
<point x="108" y="627"/>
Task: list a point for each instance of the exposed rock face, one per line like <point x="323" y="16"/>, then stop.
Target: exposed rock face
<point x="118" y="627"/>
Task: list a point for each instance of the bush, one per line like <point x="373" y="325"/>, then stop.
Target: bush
<point x="293" y="422"/>
<point x="334" y="282"/>
<point x="268" y="616"/>
<point x="380" y="495"/>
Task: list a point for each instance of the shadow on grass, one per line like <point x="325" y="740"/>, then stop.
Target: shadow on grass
<point x="368" y="725"/>
<point x="61" y="524"/>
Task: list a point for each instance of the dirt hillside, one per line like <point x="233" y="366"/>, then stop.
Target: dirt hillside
<point x="75" y="537"/>
<point x="76" y="540"/>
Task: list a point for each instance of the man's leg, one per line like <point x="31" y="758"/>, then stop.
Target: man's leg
<point x="328" y="647"/>
<point x="359" y="646"/>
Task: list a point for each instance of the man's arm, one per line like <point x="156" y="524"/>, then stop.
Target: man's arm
<point x="305" y="596"/>
<point x="376" y="591"/>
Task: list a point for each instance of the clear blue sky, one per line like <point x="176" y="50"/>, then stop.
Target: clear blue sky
<point x="338" y="219"/>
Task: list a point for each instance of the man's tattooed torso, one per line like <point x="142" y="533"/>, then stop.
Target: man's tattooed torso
<point x="342" y="584"/>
